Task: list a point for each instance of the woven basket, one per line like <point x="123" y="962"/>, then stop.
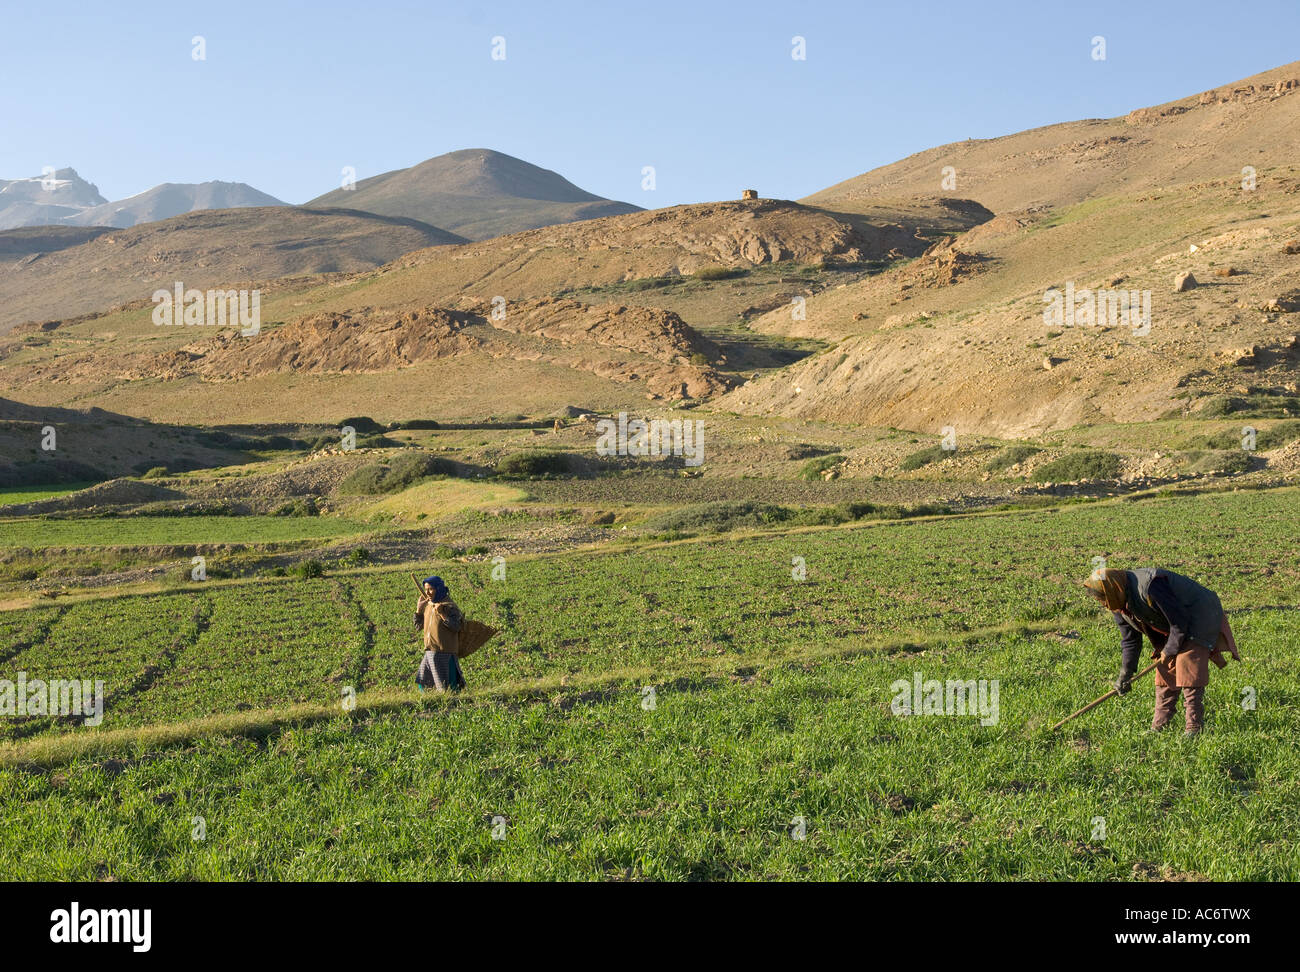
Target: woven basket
<point x="473" y="636"/>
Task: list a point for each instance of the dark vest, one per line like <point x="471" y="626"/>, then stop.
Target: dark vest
<point x="1200" y="605"/>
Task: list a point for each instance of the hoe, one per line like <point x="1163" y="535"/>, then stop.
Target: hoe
<point x="1096" y="702"/>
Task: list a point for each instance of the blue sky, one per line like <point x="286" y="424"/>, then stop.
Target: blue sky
<point x="707" y="93"/>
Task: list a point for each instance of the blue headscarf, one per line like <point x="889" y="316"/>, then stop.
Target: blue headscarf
<point x="439" y="588"/>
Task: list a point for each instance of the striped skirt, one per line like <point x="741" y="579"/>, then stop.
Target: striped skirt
<point x="440" y="670"/>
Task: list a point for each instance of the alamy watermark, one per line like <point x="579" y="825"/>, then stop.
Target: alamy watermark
<point x="1098" y="308"/>
<point x="956" y="697"/>
<point x="77" y="925"/>
<point x="212" y="308"/>
<point x="57" y="697"/>
<point x="658" y="437"/>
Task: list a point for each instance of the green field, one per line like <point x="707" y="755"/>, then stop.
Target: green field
<point x="13" y="495"/>
<point x="37" y="533"/>
<point x="772" y="701"/>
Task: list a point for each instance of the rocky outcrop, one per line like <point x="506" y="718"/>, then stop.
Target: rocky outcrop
<point x="342" y="343"/>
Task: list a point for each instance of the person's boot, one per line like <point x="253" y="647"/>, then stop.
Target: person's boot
<point x="1166" y="703"/>
<point x="1194" y="710"/>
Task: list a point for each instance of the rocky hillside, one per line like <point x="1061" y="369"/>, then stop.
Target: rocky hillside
<point x="204" y="249"/>
<point x="1190" y="209"/>
<point x="673" y="242"/>
<point x="573" y="326"/>
<point x="959" y="337"/>
<point x="620" y="344"/>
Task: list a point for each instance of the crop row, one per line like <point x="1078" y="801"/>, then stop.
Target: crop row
<point x="178" y="655"/>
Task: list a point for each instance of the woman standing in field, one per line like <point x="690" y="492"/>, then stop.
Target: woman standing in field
<point x="441" y="620"/>
<point x="1187" y="628"/>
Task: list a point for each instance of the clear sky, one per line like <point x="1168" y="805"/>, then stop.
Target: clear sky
<point x="707" y="93"/>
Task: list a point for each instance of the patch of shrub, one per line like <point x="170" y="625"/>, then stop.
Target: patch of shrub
<point x="811" y="471"/>
<point x="536" y="463"/>
<point x="179" y="577"/>
<point x="411" y="467"/>
<point x="718" y="273"/>
<point x="1265" y="439"/>
<point x="356" y="558"/>
<point x="715" y="517"/>
<point x="363" y="425"/>
<point x="817" y="516"/>
<point x="305" y="506"/>
<point x="651" y="283"/>
<point x="214" y="437"/>
<point x="274" y="443"/>
<point x="366" y="481"/>
<point x="378" y="442"/>
<point x="413" y="424"/>
<point x="1256" y="403"/>
<point x="1219" y="461"/>
<point x="395" y="474"/>
<point x="856" y="511"/>
<point x="1080" y="465"/>
<point x="307" y="569"/>
<point x="1277" y="436"/>
<point x="155" y="472"/>
<point x="50" y="472"/>
<point x="1227" y="439"/>
<point x="923" y="457"/>
<point x="1009" y="456"/>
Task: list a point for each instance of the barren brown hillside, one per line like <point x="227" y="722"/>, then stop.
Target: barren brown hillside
<point x="621" y="351"/>
<point x="203" y="249"/>
<point x="477" y="193"/>
<point x="680" y="240"/>
<point x="958" y="338"/>
<point x="1210" y="135"/>
<point x="645" y="348"/>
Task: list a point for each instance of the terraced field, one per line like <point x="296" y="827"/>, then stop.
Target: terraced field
<point x="669" y="710"/>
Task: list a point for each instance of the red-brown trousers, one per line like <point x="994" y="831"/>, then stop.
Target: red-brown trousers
<point x="1187" y="672"/>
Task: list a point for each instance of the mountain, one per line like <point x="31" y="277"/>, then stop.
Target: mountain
<point x="45" y="199"/>
<point x="605" y="311"/>
<point x="172" y="199"/>
<point x="203" y="249"/>
<point x="884" y="301"/>
<point x="64" y="198"/>
<point x="1209" y="135"/>
<point x="477" y="193"/>
<point x="960" y="339"/>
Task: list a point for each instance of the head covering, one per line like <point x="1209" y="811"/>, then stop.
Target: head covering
<point x="439" y="588"/>
<point x="1112" y="585"/>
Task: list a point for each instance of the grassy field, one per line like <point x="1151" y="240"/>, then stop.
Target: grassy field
<point x="772" y="701"/>
<point x="13" y="495"/>
<point x="133" y="531"/>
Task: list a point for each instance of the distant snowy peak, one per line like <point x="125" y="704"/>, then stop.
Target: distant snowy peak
<point x="174" y="199"/>
<point x="62" y="197"/>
